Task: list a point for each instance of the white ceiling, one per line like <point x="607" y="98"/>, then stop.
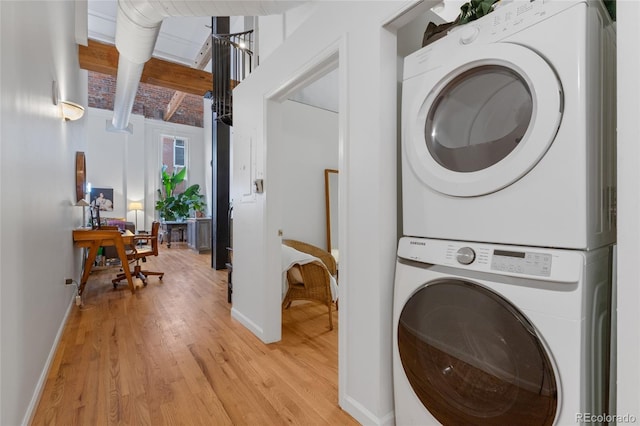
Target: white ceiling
<point x="180" y="39"/>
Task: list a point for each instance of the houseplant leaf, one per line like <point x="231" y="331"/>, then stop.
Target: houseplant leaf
<point x="172" y="206"/>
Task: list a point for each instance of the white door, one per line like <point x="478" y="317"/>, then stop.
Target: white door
<point x="481" y="119"/>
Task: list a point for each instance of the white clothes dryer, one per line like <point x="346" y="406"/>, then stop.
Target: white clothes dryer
<point x="508" y="129"/>
<point x="488" y="334"/>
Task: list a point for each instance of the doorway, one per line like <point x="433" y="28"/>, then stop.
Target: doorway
<point x="304" y="131"/>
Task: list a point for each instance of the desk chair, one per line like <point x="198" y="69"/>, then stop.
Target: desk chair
<point x="137" y="253"/>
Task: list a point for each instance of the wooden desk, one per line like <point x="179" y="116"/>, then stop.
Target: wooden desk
<point x="96" y="238"/>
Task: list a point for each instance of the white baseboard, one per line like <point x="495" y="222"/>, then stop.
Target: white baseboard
<point x="37" y="393"/>
<point x="245" y="321"/>
<point x="364" y="416"/>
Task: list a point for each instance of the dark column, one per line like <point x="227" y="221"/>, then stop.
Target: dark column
<point x="220" y="155"/>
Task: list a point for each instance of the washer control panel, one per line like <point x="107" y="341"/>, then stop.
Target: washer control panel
<point x="544" y="264"/>
<point x="521" y="262"/>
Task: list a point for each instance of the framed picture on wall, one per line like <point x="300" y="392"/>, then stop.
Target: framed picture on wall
<point x="102" y="198"/>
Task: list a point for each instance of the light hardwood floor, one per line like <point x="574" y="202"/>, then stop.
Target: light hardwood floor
<point x="172" y="354"/>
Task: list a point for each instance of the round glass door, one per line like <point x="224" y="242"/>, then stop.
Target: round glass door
<point x="481" y="119"/>
<point x="472" y="358"/>
<point x="478" y="118"/>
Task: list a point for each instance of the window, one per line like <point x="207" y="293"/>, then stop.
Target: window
<point x="175" y="156"/>
<point x="178" y="153"/>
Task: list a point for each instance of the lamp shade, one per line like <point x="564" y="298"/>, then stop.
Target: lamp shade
<point x="82" y="203"/>
<point x="135" y="205"/>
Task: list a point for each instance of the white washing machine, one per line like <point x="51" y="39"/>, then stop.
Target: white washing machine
<point x="490" y="334"/>
<point x="509" y="129"/>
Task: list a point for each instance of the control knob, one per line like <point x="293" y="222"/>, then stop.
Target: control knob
<point x="468" y="34"/>
<point x="465" y="255"/>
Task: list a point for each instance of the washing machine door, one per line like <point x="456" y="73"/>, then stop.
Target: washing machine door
<point x="472" y="358"/>
<point x="481" y="119"/>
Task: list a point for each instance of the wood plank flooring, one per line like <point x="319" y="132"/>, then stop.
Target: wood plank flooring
<point x="172" y="355"/>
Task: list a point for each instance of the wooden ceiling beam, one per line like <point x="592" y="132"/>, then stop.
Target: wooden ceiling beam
<point x="173" y="105"/>
<point x="202" y="59"/>
<point x="103" y="58"/>
<point x="204" y="56"/>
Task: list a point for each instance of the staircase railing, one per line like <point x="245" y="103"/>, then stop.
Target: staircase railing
<point x="232" y="58"/>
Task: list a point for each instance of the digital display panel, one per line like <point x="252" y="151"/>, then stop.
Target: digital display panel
<point x="507" y="253"/>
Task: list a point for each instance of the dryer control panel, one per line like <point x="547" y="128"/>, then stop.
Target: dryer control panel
<point x="523" y="262"/>
<point x="511" y="17"/>
<point x="517" y="261"/>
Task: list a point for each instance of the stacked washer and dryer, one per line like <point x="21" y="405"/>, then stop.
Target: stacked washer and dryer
<point x="503" y="279"/>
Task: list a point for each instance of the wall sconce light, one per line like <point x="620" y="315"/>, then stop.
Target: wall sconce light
<point x="71" y="111"/>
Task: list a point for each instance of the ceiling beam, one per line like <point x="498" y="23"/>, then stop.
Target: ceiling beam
<point x="202" y="59"/>
<point x="103" y="58"/>
<point x="204" y="56"/>
<point x="173" y="105"/>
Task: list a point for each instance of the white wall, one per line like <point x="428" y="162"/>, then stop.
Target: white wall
<point x="37" y="194"/>
<point x="321" y="94"/>
<point x="131" y="163"/>
<point x="311" y="145"/>
<point x="274" y="29"/>
<point x="368" y="195"/>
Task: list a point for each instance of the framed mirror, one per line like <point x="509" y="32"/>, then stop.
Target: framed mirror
<point x="81" y="175"/>
<point x="331" y="203"/>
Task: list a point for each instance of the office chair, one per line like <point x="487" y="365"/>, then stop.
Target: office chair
<point x="137" y="253"/>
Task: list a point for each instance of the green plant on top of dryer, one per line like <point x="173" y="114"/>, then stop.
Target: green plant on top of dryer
<point x="474" y="9"/>
<point x="469" y="11"/>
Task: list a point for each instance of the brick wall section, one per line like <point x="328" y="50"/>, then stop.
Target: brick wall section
<point x="150" y="100"/>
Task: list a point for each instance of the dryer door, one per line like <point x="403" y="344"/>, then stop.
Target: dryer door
<point x="472" y="358"/>
<point x="482" y="120"/>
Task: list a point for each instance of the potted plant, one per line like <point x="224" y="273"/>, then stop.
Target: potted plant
<point x="475" y="9"/>
<point x="174" y="206"/>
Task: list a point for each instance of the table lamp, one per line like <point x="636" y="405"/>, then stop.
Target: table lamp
<point x="83" y="203"/>
<point x="135" y="205"/>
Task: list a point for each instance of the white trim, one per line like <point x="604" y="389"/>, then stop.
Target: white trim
<point x="273" y="229"/>
<point x="364" y="416"/>
<point x="325" y="62"/>
<point x="245" y="321"/>
<point x="343" y="220"/>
